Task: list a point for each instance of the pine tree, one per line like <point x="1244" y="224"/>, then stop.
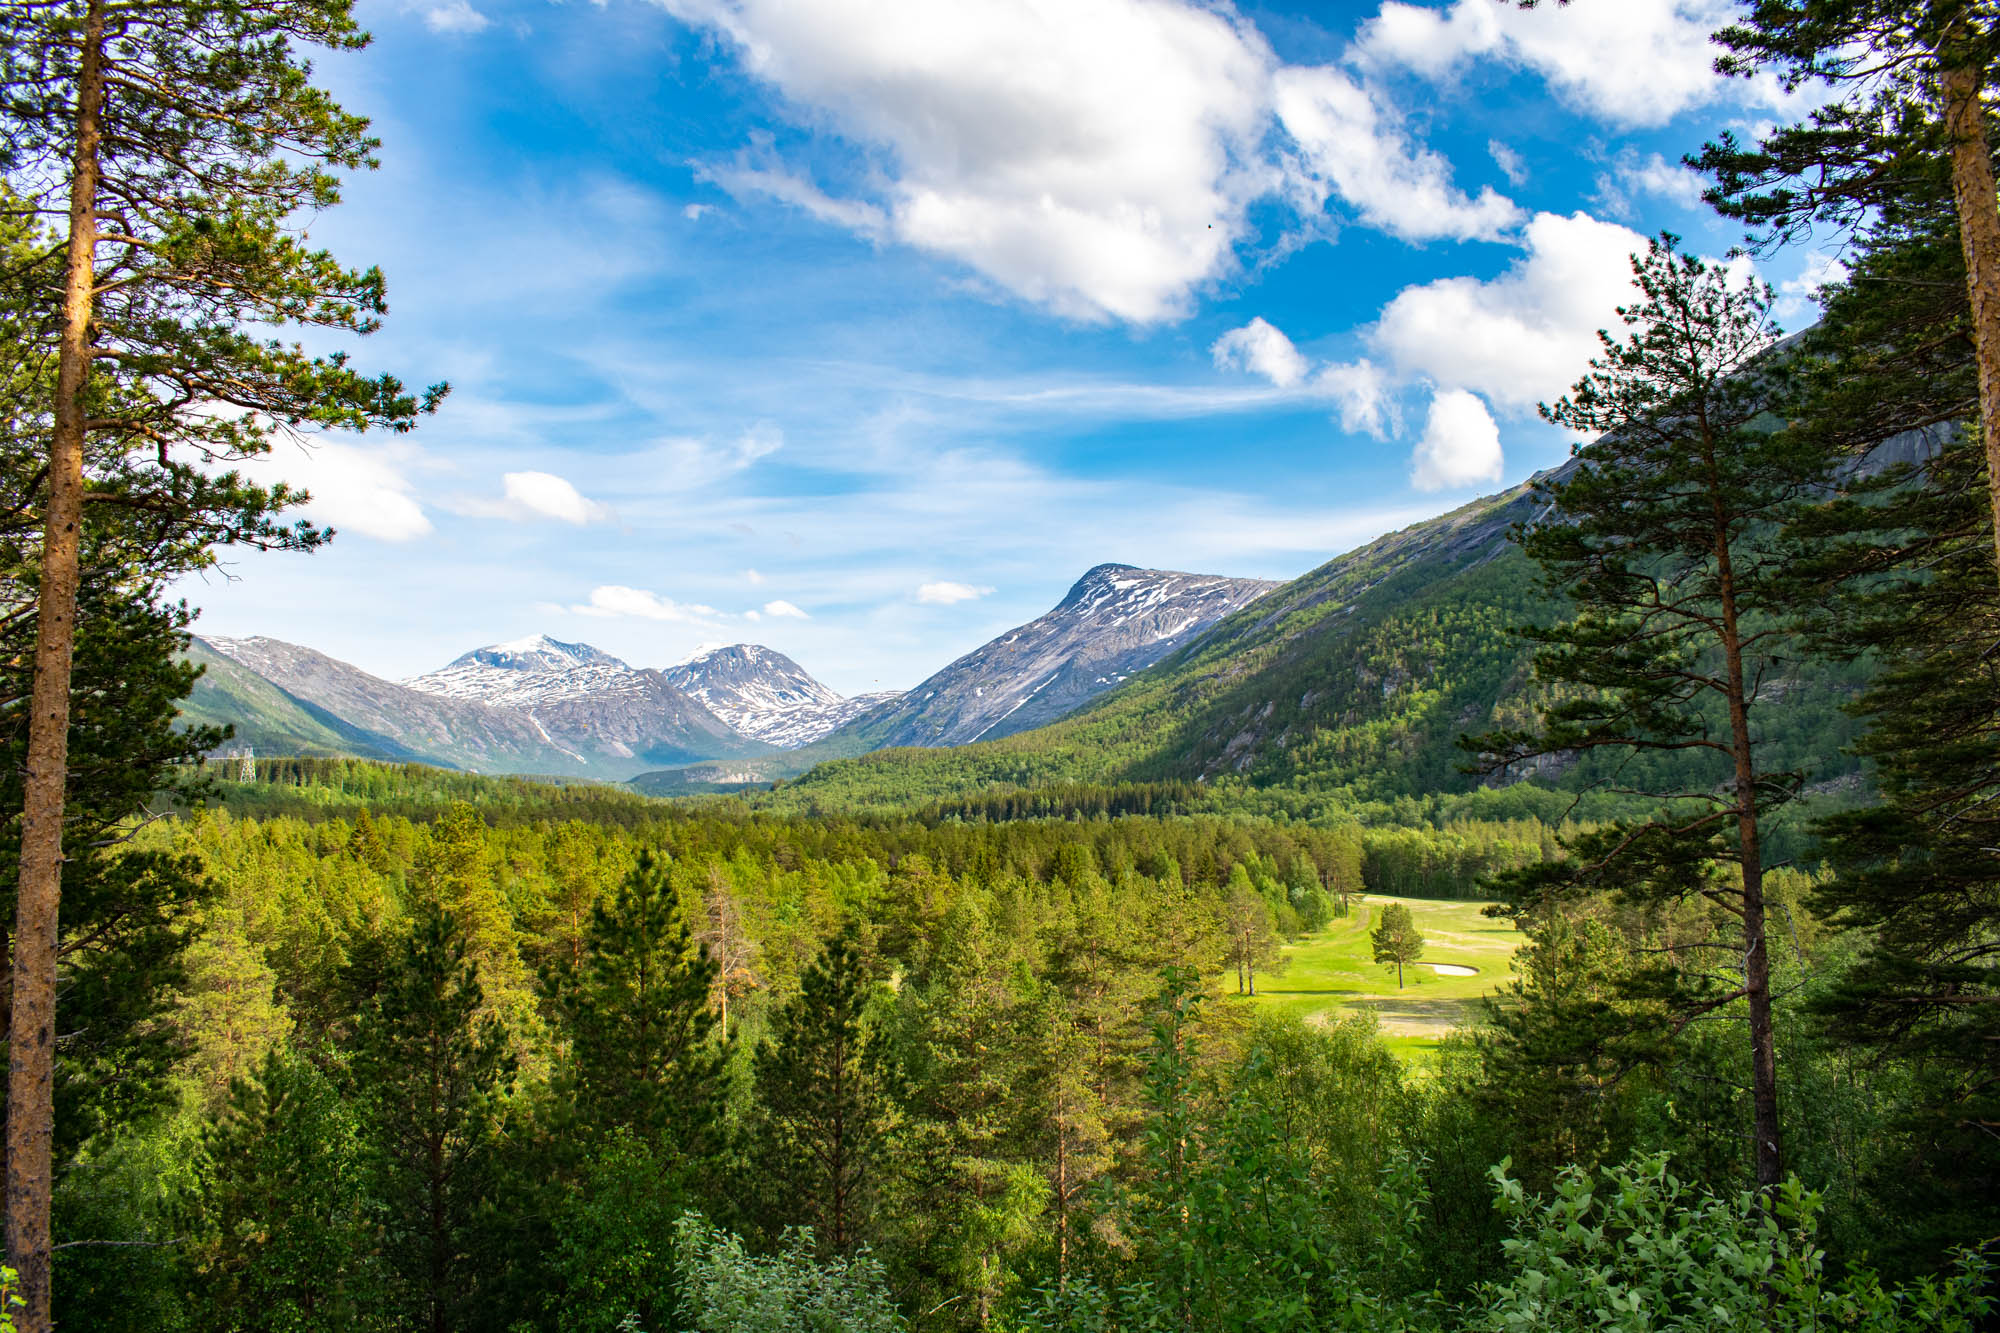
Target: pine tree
<point x="1917" y="875"/>
<point x="1911" y="127"/>
<point x="432" y="1074"/>
<point x="643" y="1050"/>
<point x="172" y="145"/>
<point x="1663" y="537"/>
<point x="278" y="1227"/>
<point x="823" y="1107"/>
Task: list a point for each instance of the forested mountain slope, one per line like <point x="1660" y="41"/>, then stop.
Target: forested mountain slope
<point x="1350" y="683"/>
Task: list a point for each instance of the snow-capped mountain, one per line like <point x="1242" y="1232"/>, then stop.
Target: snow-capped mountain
<point x="1116" y="620"/>
<point x="576" y="693"/>
<point x="532" y="673"/>
<point x="765" y="694"/>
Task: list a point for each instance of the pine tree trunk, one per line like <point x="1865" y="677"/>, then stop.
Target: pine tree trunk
<point x="1973" y="192"/>
<point x="31" y="1025"/>
<point x="1764" y="1127"/>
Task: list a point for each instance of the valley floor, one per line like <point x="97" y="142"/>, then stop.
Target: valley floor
<point x="1334" y="970"/>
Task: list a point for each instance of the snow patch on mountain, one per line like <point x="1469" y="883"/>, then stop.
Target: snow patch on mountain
<point x="764" y="694"/>
<point x="1116" y="620"/>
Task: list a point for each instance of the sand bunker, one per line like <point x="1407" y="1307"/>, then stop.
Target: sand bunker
<point x="1452" y="969"/>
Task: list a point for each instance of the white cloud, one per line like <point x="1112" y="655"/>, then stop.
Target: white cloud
<point x="1632" y="177"/>
<point x="800" y="193"/>
<point x="1348" y="144"/>
<point x="1526" y="335"/>
<point x="546" y="495"/>
<point x="613" y="601"/>
<point x="785" y="610"/>
<point x="947" y="594"/>
<point x="1361" y="389"/>
<point x="1797" y="297"/>
<point x="355" y="488"/>
<point x="1094" y="156"/>
<point x="753" y="578"/>
<point x="1365" y="396"/>
<point x="1634" y="62"/>
<point x="688" y="463"/>
<point x="1461" y="445"/>
<point x="1510" y="163"/>
<point x="456" y="16"/>
<point x="695" y="212"/>
<point x="1261" y="348"/>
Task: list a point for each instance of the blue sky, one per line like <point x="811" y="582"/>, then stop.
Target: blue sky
<point x="861" y="328"/>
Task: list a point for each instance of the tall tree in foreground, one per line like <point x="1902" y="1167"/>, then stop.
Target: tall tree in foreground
<point x="1911" y="123"/>
<point x="1663" y="537"/>
<point x="170" y="146"/>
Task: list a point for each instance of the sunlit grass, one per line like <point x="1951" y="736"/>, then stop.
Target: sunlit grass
<point x="1335" y="970"/>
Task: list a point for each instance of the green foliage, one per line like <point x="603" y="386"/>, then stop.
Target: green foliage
<point x="1638" y="1251"/>
<point x="727" y="1290"/>
<point x="280" y="1236"/>
<point x="643" y="1053"/>
<point x="431" y="1073"/>
<point x="613" y="1238"/>
<point x="823" y="1108"/>
<point x="1396" y="939"/>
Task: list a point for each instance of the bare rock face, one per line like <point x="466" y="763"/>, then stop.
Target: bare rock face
<point x="634" y="723"/>
<point x="766" y="695"/>
<point x="584" y="698"/>
<point x="1116" y="620"/>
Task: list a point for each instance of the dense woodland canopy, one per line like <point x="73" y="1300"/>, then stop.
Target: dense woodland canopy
<point x="349" y="1045"/>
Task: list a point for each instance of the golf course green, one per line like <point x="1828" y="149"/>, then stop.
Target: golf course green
<point x="1334" y="971"/>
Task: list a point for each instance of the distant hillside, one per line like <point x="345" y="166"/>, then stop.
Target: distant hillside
<point x="283" y="698"/>
<point x="1115" y="621"/>
<point x="1350" y="684"/>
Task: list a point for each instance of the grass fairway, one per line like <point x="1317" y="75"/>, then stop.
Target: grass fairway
<point x="1335" y="969"/>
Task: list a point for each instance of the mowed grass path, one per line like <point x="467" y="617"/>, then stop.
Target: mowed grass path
<point x="1335" y="970"/>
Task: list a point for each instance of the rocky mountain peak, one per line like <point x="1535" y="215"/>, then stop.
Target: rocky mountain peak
<point x="538" y="653"/>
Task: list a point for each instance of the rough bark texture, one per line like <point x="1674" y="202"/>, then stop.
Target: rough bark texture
<point x="1979" y="234"/>
<point x="31" y="1027"/>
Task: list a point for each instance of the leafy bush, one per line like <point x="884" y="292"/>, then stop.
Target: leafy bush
<point x="724" y="1289"/>
<point x="1636" y="1251"/>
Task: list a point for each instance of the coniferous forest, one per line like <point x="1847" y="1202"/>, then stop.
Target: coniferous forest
<point x="324" y="1043"/>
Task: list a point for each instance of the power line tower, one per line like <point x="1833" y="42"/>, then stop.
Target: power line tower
<point x="246" y="766"/>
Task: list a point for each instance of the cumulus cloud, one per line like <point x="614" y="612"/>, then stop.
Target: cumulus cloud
<point x="614" y="601"/>
<point x="1348" y="145"/>
<point x="545" y="495"/>
<point x="1632" y="177"/>
<point x="1365" y="397"/>
<point x="355" y="488"/>
<point x="1261" y="348"/>
<point x="1094" y="156"/>
<point x="947" y="594"/>
<point x="1460" y="445"/>
<point x="784" y="610"/>
<point x="456" y="17"/>
<point x="1635" y="62"/>
<point x="753" y="578"/>
<point x="1527" y="334"/>
<point x="1361" y="391"/>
